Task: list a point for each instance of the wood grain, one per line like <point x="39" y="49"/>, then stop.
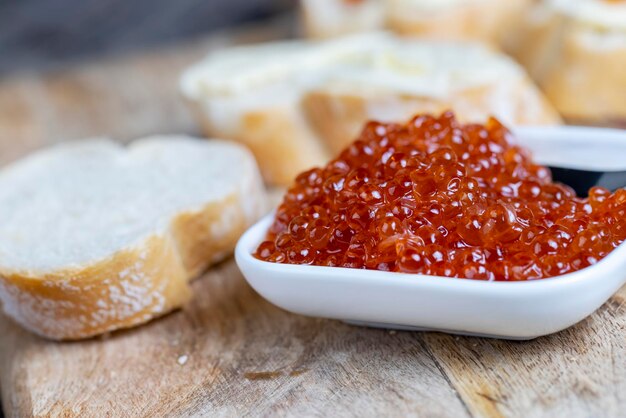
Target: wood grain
<point x="580" y="372"/>
<point x="230" y="353"/>
<point x="241" y="356"/>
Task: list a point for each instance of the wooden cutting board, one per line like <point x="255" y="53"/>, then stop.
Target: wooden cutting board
<point x="230" y="353"/>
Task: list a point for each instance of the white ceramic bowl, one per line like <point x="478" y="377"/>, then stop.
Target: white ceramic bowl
<point x="511" y="310"/>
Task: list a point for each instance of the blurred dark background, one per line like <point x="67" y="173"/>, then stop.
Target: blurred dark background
<point x="36" y="34"/>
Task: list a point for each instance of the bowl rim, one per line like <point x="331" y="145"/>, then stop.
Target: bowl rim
<point x="253" y="237"/>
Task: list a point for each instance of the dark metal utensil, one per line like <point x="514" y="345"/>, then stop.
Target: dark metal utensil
<point x="580" y="157"/>
<point x="582" y="180"/>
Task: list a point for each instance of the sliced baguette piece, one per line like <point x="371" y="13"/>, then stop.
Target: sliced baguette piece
<point x="96" y="237"/>
<point x="405" y="77"/>
<point x="296" y="103"/>
<point x="252" y="94"/>
<point x="576" y="51"/>
<point x="480" y="20"/>
<point x="332" y="18"/>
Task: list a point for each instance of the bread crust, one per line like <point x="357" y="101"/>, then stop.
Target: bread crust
<point x="588" y="83"/>
<point x="287" y="142"/>
<point x="486" y="21"/>
<point x="483" y="20"/>
<point x="323" y="19"/>
<point x="340" y="116"/>
<point x="279" y="137"/>
<point x="129" y="288"/>
<point x="133" y="285"/>
<point x="303" y="124"/>
<point x="579" y="68"/>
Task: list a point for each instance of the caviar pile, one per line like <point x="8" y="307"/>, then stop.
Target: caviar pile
<point x="441" y="198"/>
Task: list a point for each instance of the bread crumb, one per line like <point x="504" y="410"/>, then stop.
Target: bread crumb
<point x="392" y="332"/>
<point x="182" y="359"/>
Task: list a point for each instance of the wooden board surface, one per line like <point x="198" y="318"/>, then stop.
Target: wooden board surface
<point x="230" y="353"/>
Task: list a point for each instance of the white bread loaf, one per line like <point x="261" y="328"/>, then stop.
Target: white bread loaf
<point x="482" y="20"/>
<point x="576" y="50"/>
<point x="95" y="236"/>
<point x="296" y="103"/>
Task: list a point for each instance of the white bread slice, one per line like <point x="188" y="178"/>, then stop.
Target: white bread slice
<point x="482" y="20"/>
<point x="251" y="94"/>
<point x="576" y="50"/>
<point x="311" y="98"/>
<point x="95" y="236"/>
<point x="405" y="77"/>
<point x="332" y="18"/>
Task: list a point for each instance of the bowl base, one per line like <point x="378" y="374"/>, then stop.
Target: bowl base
<point x="400" y="327"/>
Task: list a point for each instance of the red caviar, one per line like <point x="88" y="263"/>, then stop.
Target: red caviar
<point x="441" y="198"/>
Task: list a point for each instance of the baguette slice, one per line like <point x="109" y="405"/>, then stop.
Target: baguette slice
<point x="332" y="18"/>
<point x="576" y="50"/>
<point x="252" y="94"/>
<point x="404" y="77"/>
<point x="294" y="104"/>
<point x="480" y="20"/>
<point x="96" y="237"/>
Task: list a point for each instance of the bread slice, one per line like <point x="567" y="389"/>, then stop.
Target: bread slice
<point x="332" y="18"/>
<point x="96" y="237"/>
<point x="576" y="50"/>
<point x="252" y="95"/>
<point x="482" y="20"/>
<point x="296" y="103"/>
<point x="407" y="77"/>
